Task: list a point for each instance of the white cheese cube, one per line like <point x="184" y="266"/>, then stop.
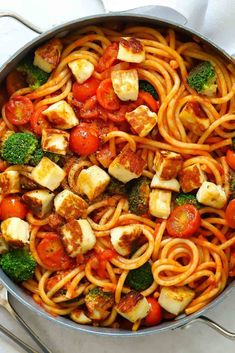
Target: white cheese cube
<point x="48" y="174"/>
<point x="39" y="201"/>
<point x="160" y="203"/>
<point x="125" y="84"/>
<point x="78" y="237"/>
<point x="133" y="306"/>
<point x="194" y="119"/>
<point x="61" y="115"/>
<point x="69" y="205"/>
<point x="167" y="164"/>
<point x="172" y="184"/>
<point x="82" y="69"/>
<point x="131" y="50"/>
<point x="175" y="299"/>
<point x="15" y="231"/>
<point x="10" y="182"/>
<point x="92" y="181"/>
<point x="98" y="302"/>
<point x="191" y="177"/>
<point x="127" y="166"/>
<point x="211" y="195"/>
<point x="122" y="238"/>
<point x="142" y="120"/>
<point x="47" y="56"/>
<point x="80" y="317"/>
<point x="55" y="141"/>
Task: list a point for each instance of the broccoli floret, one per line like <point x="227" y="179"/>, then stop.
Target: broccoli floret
<point x="141" y="278"/>
<point x="18" y="264"/>
<point x="52" y="156"/>
<point x="116" y="187"/>
<point x="183" y="199"/>
<point x="147" y="87"/>
<point x="35" y="77"/>
<point x="202" y="78"/>
<point x="39" y="154"/>
<point x="19" y="147"/>
<point x="138" y="195"/>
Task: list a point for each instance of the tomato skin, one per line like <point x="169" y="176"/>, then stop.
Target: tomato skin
<point x="230" y="158"/>
<point x="19" y="110"/>
<point x="109" y="57"/>
<point x="52" y="253"/>
<point x="38" y="121"/>
<point x="152" y="103"/>
<point x="154" y="316"/>
<point x="12" y="206"/>
<point x="15" y="81"/>
<point x="84" y="139"/>
<point x="106" y="95"/>
<point x="85" y="90"/>
<point x="184" y="221"/>
<point x="230" y="214"/>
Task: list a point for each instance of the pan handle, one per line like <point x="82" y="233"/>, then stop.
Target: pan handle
<point x="22" y="20"/>
<point x="223" y="331"/>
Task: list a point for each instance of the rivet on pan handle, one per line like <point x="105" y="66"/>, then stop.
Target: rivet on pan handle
<point x="21" y="20"/>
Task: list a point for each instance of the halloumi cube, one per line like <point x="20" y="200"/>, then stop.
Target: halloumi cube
<point x="160" y="203"/>
<point x="3" y="245"/>
<point x="123" y="238"/>
<point x="69" y="205"/>
<point x="191" y="177"/>
<point x="92" y="181"/>
<point x="211" y="195"/>
<point x="78" y="237"/>
<point x="39" y="201"/>
<point x="47" y="56"/>
<point x="142" y="120"/>
<point x="133" y="306"/>
<point x="127" y="166"/>
<point x="167" y="164"/>
<point x="48" y="174"/>
<point x="98" y="303"/>
<point x="80" y="317"/>
<point x="15" y="231"/>
<point x="61" y="115"/>
<point x="82" y="69"/>
<point x="175" y="299"/>
<point x="55" y="141"/>
<point x="10" y="182"/>
<point x="194" y="119"/>
<point x="171" y="184"/>
<point x="131" y="50"/>
<point x="125" y="84"/>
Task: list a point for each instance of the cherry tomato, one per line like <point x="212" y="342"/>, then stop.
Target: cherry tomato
<point x="38" y="121"/>
<point x="154" y="316"/>
<point x="84" y="139"/>
<point x="230" y="158"/>
<point x="12" y="206"/>
<point x="89" y="109"/>
<point x="106" y="95"/>
<point x="184" y="221"/>
<point x="149" y="100"/>
<point x="85" y="90"/>
<point x="19" y="110"/>
<point x="109" y="57"/>
<point x="52" y="253"/>
<point x="230" y="214"/>
<point x="15" y="81"/>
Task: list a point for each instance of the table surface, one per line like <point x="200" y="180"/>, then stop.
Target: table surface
<point x="197" y="338"/>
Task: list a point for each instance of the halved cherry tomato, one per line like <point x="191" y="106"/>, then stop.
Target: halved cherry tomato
<point x="19" y="110"/>
<point x="38" y="121"/>
<point x="230" y="158"/>
<point x="90" y="109"/>
<point x="15" y="81"/>
<point x="109" y="57"/>
<point x="85" y="90"/>
<point x="184" y="221"/>
<point x="230" y="214"/>
<point x="12" y="206"/>
<point x="3" y="165"/>
<point x="154" y="316"/>
<point x="84" y="139"/>
<point x="52" y="253"/>
<point x="149" y="100"/>
<point x="106" y="95"/>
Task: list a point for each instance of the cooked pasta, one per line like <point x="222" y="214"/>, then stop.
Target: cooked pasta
<point x="125" y="200"/>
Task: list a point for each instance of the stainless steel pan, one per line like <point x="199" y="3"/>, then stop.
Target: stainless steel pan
<point x="16" y="291"/>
